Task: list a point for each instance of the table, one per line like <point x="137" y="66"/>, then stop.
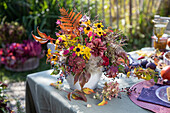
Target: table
<point x="43" y="98"/>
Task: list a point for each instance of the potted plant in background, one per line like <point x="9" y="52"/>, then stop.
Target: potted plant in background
<point x="21" y="56"/>
<point x="15" y="54"/>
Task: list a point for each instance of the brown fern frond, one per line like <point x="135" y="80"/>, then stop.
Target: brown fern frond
<point x="63" y="11"/>
<point x="75" y="18"/>
<point x="71" y="13"/>
<point x="70" y="22"/>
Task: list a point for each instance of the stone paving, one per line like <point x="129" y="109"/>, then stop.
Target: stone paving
<point x="16" y="92"/>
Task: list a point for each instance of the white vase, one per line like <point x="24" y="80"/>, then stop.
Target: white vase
<point x="96" y="73"/>
<point x="51" y="46"/>
<point x="92" y="83"/>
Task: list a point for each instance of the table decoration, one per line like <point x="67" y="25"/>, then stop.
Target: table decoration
<point x="84" y="47"/>
<point x="135" y="92"/>
<point x="83" y="51"/>
<point x="153" y="95"/>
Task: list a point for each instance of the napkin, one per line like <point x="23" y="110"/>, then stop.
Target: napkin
<point x="148" y="95"/>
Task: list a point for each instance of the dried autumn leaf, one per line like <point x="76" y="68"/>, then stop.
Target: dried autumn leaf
<point x="39" y="39"/>
<point x="103" y="102"/>
<point x="80" y="94"/>
<point x="68" y="96"/>
<point x="43" y="39"/>
<point x="76" y="97"/>
<point x="76" y="77"/>
<point x="43" y="35"/>
<point x="128" y="74"/>
<point x="87" y="90"/>
<point x="57" y="86"/>
<point x="82" y="80"/>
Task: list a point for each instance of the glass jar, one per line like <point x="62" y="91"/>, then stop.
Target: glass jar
<point x="161" y="44"/>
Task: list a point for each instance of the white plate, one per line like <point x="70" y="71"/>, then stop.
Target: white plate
<point x="162" y="94"/>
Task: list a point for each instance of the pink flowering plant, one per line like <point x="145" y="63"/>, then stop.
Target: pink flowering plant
<point x="15" y="54"/>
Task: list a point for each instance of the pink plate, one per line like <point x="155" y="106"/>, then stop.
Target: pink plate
<point x="153" y="107"/>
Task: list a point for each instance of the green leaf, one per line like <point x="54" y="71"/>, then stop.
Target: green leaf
<point x="120" y="66"/>
<point x="156" y="79"/>
<point x="77" y="38"/>
<point x="148" y="77"/>
<point x="55" y="72"/>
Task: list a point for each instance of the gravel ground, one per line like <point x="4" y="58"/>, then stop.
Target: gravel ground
<point x="16" y="92"/>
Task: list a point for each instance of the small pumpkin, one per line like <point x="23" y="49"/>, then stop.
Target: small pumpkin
<point x="168" y="42"/>
<point x="165" y="73"/>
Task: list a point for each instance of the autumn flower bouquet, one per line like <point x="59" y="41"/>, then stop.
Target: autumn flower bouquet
<point x="83" y="47"/>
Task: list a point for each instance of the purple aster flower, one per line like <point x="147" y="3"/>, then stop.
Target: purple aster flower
<point x="66" y="52"/>
<point x="58" y="22"/>
<point x="71" y="48"/>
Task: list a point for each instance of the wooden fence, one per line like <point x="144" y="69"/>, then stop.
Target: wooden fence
<point x="122" y="13"/>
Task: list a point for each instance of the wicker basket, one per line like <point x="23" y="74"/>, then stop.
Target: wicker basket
<point x="28" y="65"/>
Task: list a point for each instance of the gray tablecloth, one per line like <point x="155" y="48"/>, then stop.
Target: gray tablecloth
<point x="43" y="98"/>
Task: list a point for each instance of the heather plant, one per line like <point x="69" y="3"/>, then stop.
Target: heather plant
<point x="17" y="53"/>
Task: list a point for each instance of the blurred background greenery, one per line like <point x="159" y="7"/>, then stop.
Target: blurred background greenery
<point x="133" y="17"/>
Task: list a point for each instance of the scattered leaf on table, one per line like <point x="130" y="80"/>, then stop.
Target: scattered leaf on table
<point x="103" y="102"/>
<point x="128" y="74"/>
<point x="80" y="94"/>
<point x="76" y="97"/>
<point x="68" y="96"/>
<point x="57" y="86"/>
<point x="87" y="90"/>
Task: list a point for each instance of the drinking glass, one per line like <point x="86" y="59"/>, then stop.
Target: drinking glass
<point x="159" y="28"/>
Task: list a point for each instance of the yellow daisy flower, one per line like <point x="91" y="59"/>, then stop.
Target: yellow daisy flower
<point x="87" y="23"/>
<point x="48" y="53"/>
<point x="100" y="32"/>
<point x="98" y="25"/>
<point x="54" y="58"/>
<point x="86" y="52"/>
<point x="57" y="41"/>
<point x="63" y="37"/>
<point x="87" y="29"/>
<point x="78" y="50"/>
<point x="68" y="41"/>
